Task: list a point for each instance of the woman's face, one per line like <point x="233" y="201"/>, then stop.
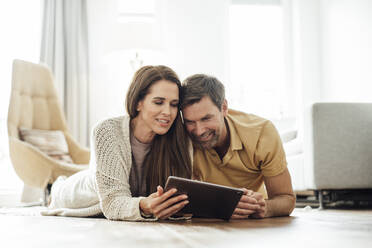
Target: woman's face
<point x="159" y="108"/>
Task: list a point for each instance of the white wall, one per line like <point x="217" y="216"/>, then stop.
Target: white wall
<point x="196" y="37"/>
<point x="109" y="75"/>
<point x="332" y="42"/>
<point x="347" y="50"/>
<point x="307" y="55"/>
<point x="190" y="36"/>
<point x="332" y="51"/>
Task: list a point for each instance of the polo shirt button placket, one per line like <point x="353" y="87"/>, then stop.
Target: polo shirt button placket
<point x="216" y="159"/>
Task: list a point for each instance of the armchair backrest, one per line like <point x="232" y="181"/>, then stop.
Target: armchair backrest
<point x="33" y="102"/>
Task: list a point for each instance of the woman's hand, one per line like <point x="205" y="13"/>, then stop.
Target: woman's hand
<point x="162" y="205"/>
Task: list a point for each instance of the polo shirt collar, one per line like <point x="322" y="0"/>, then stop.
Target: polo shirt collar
<point x="235" y="141"/>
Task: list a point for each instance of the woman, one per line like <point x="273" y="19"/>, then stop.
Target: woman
<point x="134" y="155"/>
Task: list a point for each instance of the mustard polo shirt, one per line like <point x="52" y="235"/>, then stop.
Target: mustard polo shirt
<point x="255" y="152"/>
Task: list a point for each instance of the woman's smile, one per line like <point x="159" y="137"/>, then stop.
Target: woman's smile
<point x="163" y="122"/>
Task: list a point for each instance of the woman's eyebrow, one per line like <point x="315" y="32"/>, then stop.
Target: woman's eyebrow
<point x="163" y="98"/>
<point x="158" y="98"/>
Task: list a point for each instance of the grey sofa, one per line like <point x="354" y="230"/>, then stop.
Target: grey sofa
<point x="338" y="147"/>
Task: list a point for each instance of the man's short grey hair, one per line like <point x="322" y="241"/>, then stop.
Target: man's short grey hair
<point x="197" y="86"/>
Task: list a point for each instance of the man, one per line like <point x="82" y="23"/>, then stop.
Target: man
<point x="236" y="149"/>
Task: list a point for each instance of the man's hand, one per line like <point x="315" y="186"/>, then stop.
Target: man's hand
<point x="261" y="212"/>
<point x="162" y="205"/>
<point x="250" y="204"/>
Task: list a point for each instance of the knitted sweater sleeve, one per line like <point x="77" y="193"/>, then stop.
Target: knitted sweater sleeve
<point x="113" y="159"/>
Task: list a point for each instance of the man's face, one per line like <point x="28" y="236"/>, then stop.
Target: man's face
<point x="205" y="122"/>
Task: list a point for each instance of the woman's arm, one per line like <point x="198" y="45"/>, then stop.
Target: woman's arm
<point x="114" y="160"/>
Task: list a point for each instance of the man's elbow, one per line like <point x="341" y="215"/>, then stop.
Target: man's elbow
<point x="281" y="205"/>
<point x="291" y="203"/>
<point x="288" y="204"/>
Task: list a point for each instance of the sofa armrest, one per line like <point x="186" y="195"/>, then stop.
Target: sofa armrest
<point x="288" y="135"/>
<point x="341" y="145"/>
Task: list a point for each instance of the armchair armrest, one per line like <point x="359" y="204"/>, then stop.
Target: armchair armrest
<point x="79" y="154"/>
<point x="36" y="168"/>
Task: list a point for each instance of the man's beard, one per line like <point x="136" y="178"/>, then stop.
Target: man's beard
<point x="209" y="144"/>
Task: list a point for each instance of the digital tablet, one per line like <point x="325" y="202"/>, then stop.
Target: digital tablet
<point x="206" y="200"/>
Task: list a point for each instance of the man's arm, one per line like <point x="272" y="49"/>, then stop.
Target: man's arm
<point x="270" y="159"/>
<point x="281" y="200"/>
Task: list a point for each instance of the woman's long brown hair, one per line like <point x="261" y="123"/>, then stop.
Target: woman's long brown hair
<point x="169" y="153"/>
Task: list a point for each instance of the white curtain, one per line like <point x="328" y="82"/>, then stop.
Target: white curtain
<point x="64" y="48"/>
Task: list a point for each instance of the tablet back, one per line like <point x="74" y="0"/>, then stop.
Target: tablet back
<point x="206" y="200"/>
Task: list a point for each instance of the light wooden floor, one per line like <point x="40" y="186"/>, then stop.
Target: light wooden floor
<point x="313" y="228"/>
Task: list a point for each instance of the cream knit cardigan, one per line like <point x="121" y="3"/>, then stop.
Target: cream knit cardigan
<point x="104" y="188"/>
<point x="114" y="161"/>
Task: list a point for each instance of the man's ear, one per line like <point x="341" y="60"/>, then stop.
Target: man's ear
<point x="224" y="108"/>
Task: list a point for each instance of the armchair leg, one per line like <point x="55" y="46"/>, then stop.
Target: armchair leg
<point x="321" y="200"/>
<point x="31" y="196"/>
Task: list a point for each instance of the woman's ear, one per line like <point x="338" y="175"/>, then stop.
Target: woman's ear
<point x="139" y="106"/>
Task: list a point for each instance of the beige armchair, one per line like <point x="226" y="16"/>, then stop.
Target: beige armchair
<point x="34" y="104"/>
